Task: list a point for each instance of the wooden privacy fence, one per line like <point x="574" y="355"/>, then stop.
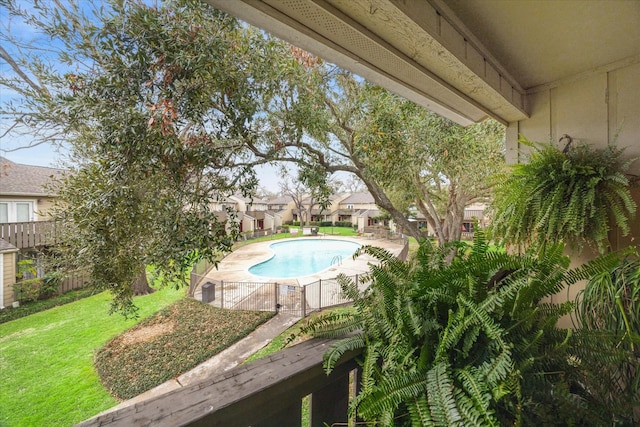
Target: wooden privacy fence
<point x="75" y="281"/>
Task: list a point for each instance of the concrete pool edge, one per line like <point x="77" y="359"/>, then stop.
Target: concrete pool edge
<point x="234" y="267"/>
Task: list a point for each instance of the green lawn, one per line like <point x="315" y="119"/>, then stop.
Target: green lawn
<point x="47" y="376"/>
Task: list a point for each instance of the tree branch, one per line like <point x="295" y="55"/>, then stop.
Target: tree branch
<point x="16" y="68"/>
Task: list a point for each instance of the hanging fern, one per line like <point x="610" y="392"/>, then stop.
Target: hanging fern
<point x="574" y="196"/>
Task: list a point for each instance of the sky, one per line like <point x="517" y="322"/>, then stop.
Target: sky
<point x="17" y="148"/>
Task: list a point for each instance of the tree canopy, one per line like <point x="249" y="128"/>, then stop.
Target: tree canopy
<point x="167" y="108"/>
<point x="405" y="155"/>
<point x="159" y="106"/>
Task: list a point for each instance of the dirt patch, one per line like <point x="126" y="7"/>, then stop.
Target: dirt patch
<point x="146" y="333"/>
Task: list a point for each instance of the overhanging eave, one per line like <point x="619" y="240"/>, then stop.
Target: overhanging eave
<point x="430" y="61"/>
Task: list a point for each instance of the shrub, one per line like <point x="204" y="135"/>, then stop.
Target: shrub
<point x="26" y="269"/>
<point x="28" y="289"/>
<point x="38" y="288"/>
<point x="609" y="305"/>
<point x="50" y="285"/>
<point x="188" y="332"/>
<point x="31" y="307"/>
<point x="469" y="342"/>
<point x="343" y="224"/>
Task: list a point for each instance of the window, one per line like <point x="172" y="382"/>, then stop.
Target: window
<point x="11" y="211"/>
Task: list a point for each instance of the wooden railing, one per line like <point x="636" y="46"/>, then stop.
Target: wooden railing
<point x="28" y="234"/>
<point x="264" y="393"/>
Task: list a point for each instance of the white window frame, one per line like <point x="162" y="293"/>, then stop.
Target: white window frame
<point x="12" y="209"/>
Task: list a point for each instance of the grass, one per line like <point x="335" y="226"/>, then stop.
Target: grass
<point x="292" y="335"/>
<point x="46" y="360"/>
<point x="338" y="231"/>
<point x="25" y="309"/>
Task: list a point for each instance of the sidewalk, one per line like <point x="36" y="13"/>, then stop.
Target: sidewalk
<point x="222" y="361"/>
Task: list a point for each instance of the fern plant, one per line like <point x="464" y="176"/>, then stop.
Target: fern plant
<point x="575" y="195"/>
<point x="466" y="343"/>
<point x="609" y="306"/>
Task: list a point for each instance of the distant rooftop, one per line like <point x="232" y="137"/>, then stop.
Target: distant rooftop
<point x="362" y="197"/>
<point x="281" y="200"/>
<point x="254" y="200"/>
<point x="25" y="180"/>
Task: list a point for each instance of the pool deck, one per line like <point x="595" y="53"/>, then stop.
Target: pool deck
<point x="235" y="266"/>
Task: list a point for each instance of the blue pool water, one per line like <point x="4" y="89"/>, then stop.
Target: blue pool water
<point x="301" y="257"/>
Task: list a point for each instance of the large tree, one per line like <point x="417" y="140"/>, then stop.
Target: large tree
<point x="158" y="105"/>
<point x="167" y="108"/>
<point x="405" y="155"/>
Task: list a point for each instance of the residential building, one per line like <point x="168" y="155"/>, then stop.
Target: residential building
<point x="360" y="209"/>
<point x="474" y="213"/>
<point x="283" y="206"/>
<point x="24" y="195"/>
<point x="253" y="213"/>
<point x="25" y="202"/>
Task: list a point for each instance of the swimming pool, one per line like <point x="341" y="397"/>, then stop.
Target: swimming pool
<point x="302" y="257"/>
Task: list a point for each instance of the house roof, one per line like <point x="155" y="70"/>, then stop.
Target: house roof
<point x="253" y="201"/>
<point x="370" y="213"/>
<point x="7" y="247"/>
<point x="282" y="200"/>
<point x="25" y="180"/>
<point x="362" y="197"/>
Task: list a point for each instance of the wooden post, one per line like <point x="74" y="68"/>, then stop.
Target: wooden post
<point x="330" y="404"/>
<point x="222" y="294"/>
<point x="291" y="416"/>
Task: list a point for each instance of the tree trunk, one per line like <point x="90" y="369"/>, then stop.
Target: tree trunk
<point x="141" y="286"/>
<point x="383" y="201"/>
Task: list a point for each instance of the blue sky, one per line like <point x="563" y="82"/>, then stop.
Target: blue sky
<point x="17" y="147"/>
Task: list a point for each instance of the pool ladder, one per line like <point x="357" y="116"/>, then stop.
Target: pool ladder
<point x="336" y="260"/>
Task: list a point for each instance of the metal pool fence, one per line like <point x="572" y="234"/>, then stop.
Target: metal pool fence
<point x="298" y="300"/>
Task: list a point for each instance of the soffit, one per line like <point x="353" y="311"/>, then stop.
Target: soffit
<point x="464" y="59"/>
<point x="545" y="41"/>
<point x="381" y="41"/>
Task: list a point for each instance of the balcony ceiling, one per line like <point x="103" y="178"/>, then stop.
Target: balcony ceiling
<point x="464" y="59"/>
